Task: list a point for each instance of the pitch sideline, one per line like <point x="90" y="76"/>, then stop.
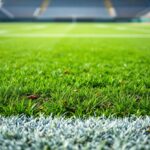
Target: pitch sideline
<point x="59" y="133"/>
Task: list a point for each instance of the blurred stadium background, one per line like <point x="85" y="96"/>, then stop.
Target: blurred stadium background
<point x="75" y="10"/>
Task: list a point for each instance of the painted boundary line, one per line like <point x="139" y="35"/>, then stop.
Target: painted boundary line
<point x="75" y="35"/>
<point x="74" y="133"/>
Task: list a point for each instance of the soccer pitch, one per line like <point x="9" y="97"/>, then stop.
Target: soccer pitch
<point x="86" y="84"/>
<point x="81" y="69"/>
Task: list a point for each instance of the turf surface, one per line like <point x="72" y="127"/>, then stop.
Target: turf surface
<point x="101" y="133"/>
<point x="65" y="69"/>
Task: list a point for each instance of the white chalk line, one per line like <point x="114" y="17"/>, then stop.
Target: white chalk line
<point x="66" y="35"/>
<point x="74" y="133"/>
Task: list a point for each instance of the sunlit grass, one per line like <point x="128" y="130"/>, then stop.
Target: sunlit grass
<point x="74" y="76"/>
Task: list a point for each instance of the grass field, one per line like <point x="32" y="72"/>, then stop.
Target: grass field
<point x="74" y="69"/>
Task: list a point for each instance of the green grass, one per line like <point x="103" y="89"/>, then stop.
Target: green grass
<point x="74" y="76"/>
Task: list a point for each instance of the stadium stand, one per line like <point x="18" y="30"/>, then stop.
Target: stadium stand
<point x="74" y="9"/>
<point x="2" y="15"/>
<point x="110" y="8"/>
<point x="21" y="8"/>
<point x="130" y="8"/>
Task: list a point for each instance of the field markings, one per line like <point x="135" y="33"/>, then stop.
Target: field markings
<point x="67" y="35"/>
<point x="60" y="133"/>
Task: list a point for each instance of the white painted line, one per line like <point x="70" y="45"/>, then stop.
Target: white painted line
<point x="65" y="35"/>
<point x="74" y="133"/>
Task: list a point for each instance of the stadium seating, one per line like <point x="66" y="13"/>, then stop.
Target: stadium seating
<point x="53" y="9"/>
<point x="2" y="15"/>
<point x="76" y="3"/>
<point x="21" y="8"/>
<point x="130" y="8"/>
<point x="76" y="9"/>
